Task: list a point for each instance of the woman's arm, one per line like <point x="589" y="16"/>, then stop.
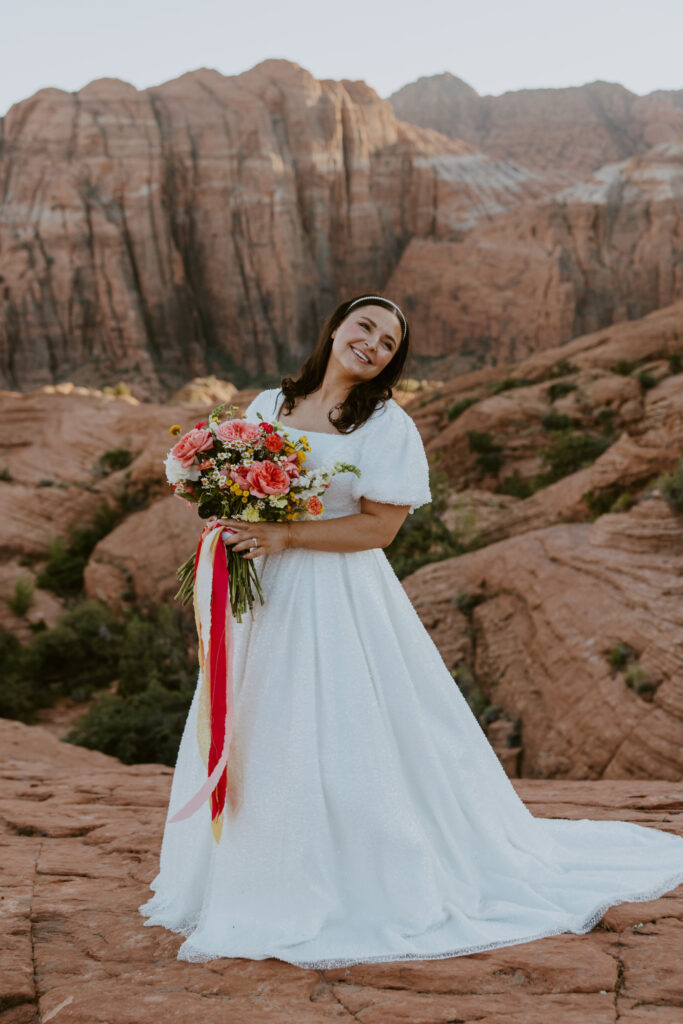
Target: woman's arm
<point x="375" y="526"/>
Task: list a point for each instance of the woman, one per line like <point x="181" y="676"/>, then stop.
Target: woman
<point x="367" y="816"/>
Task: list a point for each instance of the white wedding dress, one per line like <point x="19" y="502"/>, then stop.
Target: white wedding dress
<point x="369" y="818"/>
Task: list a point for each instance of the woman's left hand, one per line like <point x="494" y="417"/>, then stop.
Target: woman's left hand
<point x="270" y="537"/>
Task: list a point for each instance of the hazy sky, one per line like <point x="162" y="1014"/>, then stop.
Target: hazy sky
<point x="495" y="45"/>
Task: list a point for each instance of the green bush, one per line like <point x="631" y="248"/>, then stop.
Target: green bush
<point x="22" y="598"/>
<point x="676" y="362"/>
<point x="63" y="573"/>
<point x="612" y="498"/>
<point x="569" y="452"/>
<point x="648" y="380"/>
<point x="625" y="367"/>
<point x="115" y="459"/>
<point x="456" y="408"/>
<point x="5" y="474"/>
<point x="670" y="486"/>
<point x="560" y="389"/>
<point x="496" y="386"/>
<point x="424" y="537"/>
<point x="480" y="441"/>
<point x="556" y="421"/>
<point x="620" y="655"/>
<point x="517" y="485"/>
<point x="562" y="368"/>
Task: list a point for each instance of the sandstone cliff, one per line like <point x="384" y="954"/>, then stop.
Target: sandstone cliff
<point x="211" y="223"/>
<point x="579" y="128"/>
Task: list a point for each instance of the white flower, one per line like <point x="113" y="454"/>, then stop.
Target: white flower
<point x="176" y="472"/>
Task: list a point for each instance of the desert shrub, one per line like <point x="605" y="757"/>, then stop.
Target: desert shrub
<point x="63" y="573"/>
<point x="637" y="679"/>
<point x="115" y="459"/>
<point x="21" y="599"/>
<point x="467" y="602"/>
<point x="670" y="486"/>
<point x="496" y="386"/>
<point x="423" y="536"/>
<point x="556" y="421"/>
<point x="648" y="380"/>
<point x="562" y="368"/>
<point x="561" y="388"/>
<point x="620" y="655"/>
<point x="5" y="474"/>
<point x="516" y="485"/>
<point x="676" y="362"/>
<point x="157" y="675"/>
<point x="570" y="451"/>
<point x="456" y="408"/>
<point x="613" y="498"/>
<point x="480" y="441"/>
<point x="625" y="367"/>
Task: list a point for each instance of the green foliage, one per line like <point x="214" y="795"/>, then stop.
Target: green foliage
<point x="157" y="672"/>
<point x="115" y="459"/>
<point x="490" y="457"/>
<point x="517" y="485"/>
<point x="562" y="368"/>
<point x="670" y="486"/>
<point x="570" y="451"/>
<point x="496" y="386"/>
<point x="556" y="421"/>
<point x="5" y="474"/>
<point x="73" y="659"/>
<point x="625" y="367"/>
<point x="676" y="362"/>
<point x="63" y="573"/>
<point x="119" y="389"/>
<point x="467" y="602"/>
<point x="648" y="380"/>
<point x="637" y="679"/>
<point x="456" y="408"/>
<point x="423" y="536"/>
<point x="620" y="655"/>
<point x="613" y="498"/>
<point x="22" y="598"/>
<point x="151" y="658"/>
<point x="561" y="388"/>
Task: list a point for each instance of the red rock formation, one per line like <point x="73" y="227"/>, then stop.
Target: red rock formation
<point x="575" y="129"/>
<point x="210" y="224"/>
<point x="599" y="253"/>
<point x="80" y="843"/>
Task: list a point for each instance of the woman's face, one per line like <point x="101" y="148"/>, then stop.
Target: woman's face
<point x="366" y="340"/>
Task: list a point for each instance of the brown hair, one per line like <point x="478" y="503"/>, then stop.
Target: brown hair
<point x="363" y="398"/>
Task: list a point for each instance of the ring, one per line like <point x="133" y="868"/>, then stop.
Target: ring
<point x="254" y="542"/>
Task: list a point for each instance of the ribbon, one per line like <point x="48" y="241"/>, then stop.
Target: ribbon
<point x="216" y="705"/>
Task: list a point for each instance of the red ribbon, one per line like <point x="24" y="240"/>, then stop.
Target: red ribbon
<point x="216" y="678"/>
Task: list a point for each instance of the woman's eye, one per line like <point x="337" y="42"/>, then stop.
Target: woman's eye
<point x="363" y="325"/>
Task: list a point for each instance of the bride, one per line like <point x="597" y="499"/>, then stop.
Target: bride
<point x="367" y="817"/>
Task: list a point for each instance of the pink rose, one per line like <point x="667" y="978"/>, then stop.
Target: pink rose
<point x="238" y="430"/>
<point x="267" y="477"/>
<point x="191" y="444"/>
<point x="291" y="466"/>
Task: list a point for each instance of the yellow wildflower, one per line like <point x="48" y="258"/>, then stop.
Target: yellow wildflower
<point x="175" y="430"/>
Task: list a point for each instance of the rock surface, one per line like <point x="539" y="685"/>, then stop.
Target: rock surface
<point x="579" y="128"/>
<point x="210" y="224"/>
<point x="80" y="836"/>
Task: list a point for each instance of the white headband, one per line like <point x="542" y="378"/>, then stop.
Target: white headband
<point x="367" y="298"/>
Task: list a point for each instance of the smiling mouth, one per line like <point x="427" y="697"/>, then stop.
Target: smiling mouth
<point x="359" y="356"/>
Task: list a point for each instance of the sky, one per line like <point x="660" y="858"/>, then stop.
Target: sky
<point x="494" y="45"/>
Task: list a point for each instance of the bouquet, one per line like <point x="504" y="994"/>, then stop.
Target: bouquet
<point x="240" y="470"/>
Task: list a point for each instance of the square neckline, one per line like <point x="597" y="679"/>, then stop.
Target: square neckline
<point x="317" y="433"/>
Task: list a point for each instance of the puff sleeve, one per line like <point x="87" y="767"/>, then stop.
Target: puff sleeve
<point x="264" y="400"/>
<point x="393" y="462"/>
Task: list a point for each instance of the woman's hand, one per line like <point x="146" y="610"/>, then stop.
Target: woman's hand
<point x="270" y="537"/>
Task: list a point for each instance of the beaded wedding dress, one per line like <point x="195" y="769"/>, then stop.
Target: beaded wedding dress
<point x="367" y="816"/>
